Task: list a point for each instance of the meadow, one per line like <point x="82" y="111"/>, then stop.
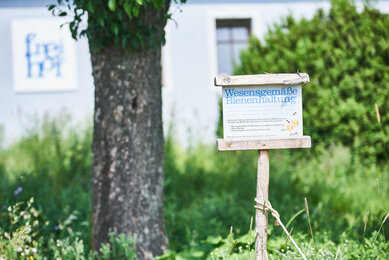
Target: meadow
<point x="45" y="195"/>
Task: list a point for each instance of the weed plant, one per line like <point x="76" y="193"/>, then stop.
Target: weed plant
<point x="209" y="191"/>
<point x="206" y="192"/>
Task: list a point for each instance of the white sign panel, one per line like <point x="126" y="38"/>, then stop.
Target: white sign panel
<point x="44" y="56"/>
<point x="256" y="112"/>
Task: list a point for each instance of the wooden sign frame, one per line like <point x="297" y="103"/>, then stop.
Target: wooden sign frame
<point x="263" y="145"/>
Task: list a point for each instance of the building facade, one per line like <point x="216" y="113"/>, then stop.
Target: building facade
<point x="43" y="71"/>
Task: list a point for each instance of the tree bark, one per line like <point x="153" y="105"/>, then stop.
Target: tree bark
<point x="128" y="149"/>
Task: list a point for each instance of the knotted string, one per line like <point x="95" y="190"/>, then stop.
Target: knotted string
<point x="267" y="207"/>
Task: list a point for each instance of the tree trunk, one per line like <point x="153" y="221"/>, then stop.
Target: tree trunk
<point x="128" y="149"/>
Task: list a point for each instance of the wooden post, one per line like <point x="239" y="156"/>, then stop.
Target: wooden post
<point x="261" y="215"/>
<point x="263" y="126"/>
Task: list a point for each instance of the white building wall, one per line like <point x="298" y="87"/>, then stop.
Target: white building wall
<point x="189" y="62"/>
<point x="18" y="110"/>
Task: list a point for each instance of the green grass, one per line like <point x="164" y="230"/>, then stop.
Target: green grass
<point x="206" y="192"/>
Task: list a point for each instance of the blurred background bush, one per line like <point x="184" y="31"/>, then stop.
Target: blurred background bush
<point x="346" y="54"/>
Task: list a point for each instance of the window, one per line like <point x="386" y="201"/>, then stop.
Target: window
<point x="232" y="36"/>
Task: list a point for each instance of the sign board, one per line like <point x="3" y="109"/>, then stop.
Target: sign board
<point x="262" y="111"/>
<point x="252" y="112"/>
<point x="44" y="56"/>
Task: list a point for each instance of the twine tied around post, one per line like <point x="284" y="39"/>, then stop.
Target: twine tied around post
<point x="266" y="206"/>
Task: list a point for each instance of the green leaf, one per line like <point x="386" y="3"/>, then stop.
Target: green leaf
<point x="294" y="216"/>
<point x="73" y="30"/>
<point x="139" y="2"/>
<point x="169" y="254"/>
<point x="127" y="9"/>
<point x="213" y="240"/>
<point x="112" y="5"/>
<point x="197" y="254"/>
<point x="51" y="7"/>
<point x="115" y="29"/>
<point x="158" y="4"/>
<point x="101" y="21"/>
<point x="135" y="11"/>
<point x="83" y="33"/>
<point x="91" y="7"/>
<point x="62" y="14"/>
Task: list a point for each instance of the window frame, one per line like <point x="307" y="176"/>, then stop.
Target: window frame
<point x="230" y="23"/>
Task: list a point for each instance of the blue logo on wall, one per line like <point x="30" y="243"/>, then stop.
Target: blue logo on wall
<point x="43" y="58"/>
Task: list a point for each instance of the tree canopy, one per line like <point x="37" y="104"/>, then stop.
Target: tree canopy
<point x="125" y="23"/>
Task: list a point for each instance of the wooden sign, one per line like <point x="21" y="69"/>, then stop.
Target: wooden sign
<point x="251" y="112"/>
<point x="262" y="107"/>
<point x="263" y="112"/>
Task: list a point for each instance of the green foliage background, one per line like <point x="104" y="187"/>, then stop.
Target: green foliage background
<point x="346" y="54"/>
<point x="206" y="192"/>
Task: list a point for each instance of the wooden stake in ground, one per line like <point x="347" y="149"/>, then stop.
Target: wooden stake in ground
<point x="263" y="112"/>
<point x="261" y="215"/>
